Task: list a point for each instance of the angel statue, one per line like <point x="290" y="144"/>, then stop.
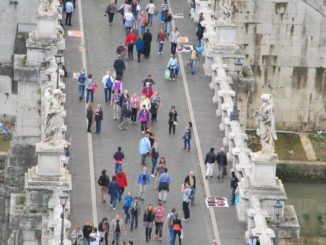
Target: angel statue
<point x="265" y="120"/>
<point x="225" y="10"/>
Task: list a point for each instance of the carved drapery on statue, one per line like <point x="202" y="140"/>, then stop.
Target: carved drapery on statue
<point x="265" y="120"/>
<point x="52" y="131"/>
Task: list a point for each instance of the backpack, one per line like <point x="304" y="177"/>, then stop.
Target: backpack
<point x="108" y="82"/>
<point x="170" y="218"/>
<point x="159" y="214"/>
<point x="234" y="182"/>
<point x="82" y="78"/>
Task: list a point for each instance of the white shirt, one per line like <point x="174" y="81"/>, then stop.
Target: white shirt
<point x="105" y="77"/>
<point x="69" y="7"/>
<point x="147" y="104"/>
<point x="150" y="8"/>
<point x="129" y="16"/>
<point x="174" y="35"/>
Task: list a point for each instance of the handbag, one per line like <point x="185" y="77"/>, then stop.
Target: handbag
<point x="167" y="74"/>
<point x="182" y="235"/>
<point x="175" y="123"/>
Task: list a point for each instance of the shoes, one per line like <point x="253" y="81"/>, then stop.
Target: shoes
<point x="153" y="176"/>
<point x="206" y="177"/>
<point x="218" y="177"/>
<point x="211" y="176"/>
<point x="113" y="208"/>
<point x="89" y="131"/>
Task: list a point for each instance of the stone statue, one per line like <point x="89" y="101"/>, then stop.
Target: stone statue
<point x="54" y="119"/>
<point x="265" y="120"/>
<point x="226" y="11"/>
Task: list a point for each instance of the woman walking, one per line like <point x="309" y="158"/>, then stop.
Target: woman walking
<point x="159" y="170"/>
<point x="155" y="155"/>
<point x="187" y="137"/>
<point x="98" y="118"/>
<point x="172" y="120"/>
<point x="77" y="235"/>
<point x="148" y="221"/>
<point x="113" y="190"/>
<point x="177" y="228"/>
<point x="155" y="105"/>
<point x="129" y="20"/>
<point x="161" y="39"/>
<point x="89" y="116"/>
<point x="115" y="103"/>
<point x="142" y="22"/>
<point x="90" y="85"/>
<point x="110" y="10"/>
<point x="143" y="118"/>
<point x="150" y="8"/>
<point x="134" y="104"/>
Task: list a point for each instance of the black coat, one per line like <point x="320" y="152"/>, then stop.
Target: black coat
<point x="210" y="157"/>
<point x="119" y="65"/>
<point x="173" y="117"/>
<point x="149" y="216"/>
<point x="221" y="158"/>
<point x="188" y="181"/>
<point x="147" y="38"/>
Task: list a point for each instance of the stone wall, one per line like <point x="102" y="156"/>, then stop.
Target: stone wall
<point x="285" y="44"/>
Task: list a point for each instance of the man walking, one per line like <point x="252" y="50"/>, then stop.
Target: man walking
<point x="222" y="162"/>
<point x="103" y="182"/>
<point x="147" y="38"/>
<point x="159" y="214"/>
<point x="81" y="84"/>
<point x="121" y="178"/>
<point x="134" y="212"/>
<point x="117" y="227"/>
<point x="234" y="186"/>
<point x="143" y="180"/>
<point x="130" y="41"/>
<point x="107" y="81"/>
<point x="119" y="67"/>
<point x="209" y="161"/>
<point x="191" y="180"/>
<point x="69" y="10"/>
<point x="174" y="35"/>
<point x="163" y="185"/>
<point x="169" y="221"/>
<point x="118" y="157"/>
<point x="144" y="148"/>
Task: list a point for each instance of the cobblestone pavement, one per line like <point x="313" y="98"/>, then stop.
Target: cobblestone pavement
<point x="101" y="43"/>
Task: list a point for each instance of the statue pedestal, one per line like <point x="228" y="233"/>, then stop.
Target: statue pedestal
<point x="49" y="163"/>
<point x="264" y="170"/>
<point x="226" y="33"/>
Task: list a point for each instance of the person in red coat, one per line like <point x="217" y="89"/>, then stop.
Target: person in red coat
<point x="147" y="90"/>
<point x="121" y="178"/>
<point x="130" y="41"/>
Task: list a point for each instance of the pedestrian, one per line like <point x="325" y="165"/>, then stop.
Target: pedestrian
<point x="89" y="116"/>
<point x="172" y="66"/>
<point x="134" y="104"/>
<point x="151" y="136"/>
<point x="104" y="228"/>
<point x="185" y="200"/>
<point x="87" y="229"/>
<point x="167" y="23"/>
<point x="76" y="236"/>
<point x="103" y="182"/>
<point x="121" y="178"/>
<point x="69" y="7"/>
<point x="94" y="237"/>
<point x="134" y="8"/>
<point x="118" y="157"/>
<point x="144" y="148"/>
<point x="155" y="105"/>
<point x="142" y="22"/>
<point x="200" y="30"/>
<point x="169" y="222"/>
<point x="148" y="79"/>
<point x="123" y="98"/>
<point x="110" y="11"/>
<point x="191" y="180"/>
<point x="113" y="190"/>
<point x="125" y="114"/>
<point x="159" y="170"/>
<point x="187" y="137"/>
<point x="193" y="59"/>
<point x="119" y="67"/>
<point x="159" y="215"/>
<point x="163" y="185"/>
<point x="90" y="85"/>
<point x="222" y="162"/>
<point x="234" y="186"/>
<point x="139" y="47"/>
<point x="174" y="36"/>
<point x="144" y="100"/>
<point x="143" y="118"/>
<point x="134" y="213"/>
<point x="143" y="180"/>
<point x="117" y="227"/>
<point x="161" y="40"/>
<point x="173" y="121"/>
<point x="154" y="155"/>
<point x="164" y="7"/>
<point x="209" y="162"/>
<point x="130" y="242"/>
<point x="148" y="221"/>
<point x="81" y="84"/>
<point x="252" y="240"/>
<point x="129" y="42"/>
<point x="128" y="199"/>
<point x="150" y="8"/>
<point x="177" y="228"/>
<point x="98" y="118"/>
<point x="147" y="38"/>
<point x="121" y="50"/>
<point x="107" y="81"/>
<point x="115" y="103"/>
<point x="129" y="20"/>
<point x="147" y="90"/>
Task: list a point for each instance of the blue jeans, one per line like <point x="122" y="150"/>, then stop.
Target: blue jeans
<point x="160" y="47"/>
<point x="154" y="161"/>
<point x="142" y="29"/>
<point x="86" y="241"/>
<point x="186" y="144"/>
<point x="89" y="95"/>
<point x="134" y="220"/>
<point x="193" y="67"/>
<point x="150" y="19"/>
<point x="143" y="157"/>
<point x="81" y="90"/>
<point x="170" y="234"/>
<point x="98" y="126"/>
<point x="117" y="167"/>
<point x="107" y="94"/>
<point x="116" y="238"/>
<point x="114" y="199"/>
<point x="127" y="215"/>
<point x="175" y="233"/>
<point x="232" y="195"/>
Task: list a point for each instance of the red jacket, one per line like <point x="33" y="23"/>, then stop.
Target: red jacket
<point x="148" y="91"/>
<point x="122" y="180"/>
<point x="130" y="38"/>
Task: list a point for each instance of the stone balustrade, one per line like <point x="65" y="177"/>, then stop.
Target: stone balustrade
<point x="259" y="188"/>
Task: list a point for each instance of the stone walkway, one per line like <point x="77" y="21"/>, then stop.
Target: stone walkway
<point x="101" y="42"/>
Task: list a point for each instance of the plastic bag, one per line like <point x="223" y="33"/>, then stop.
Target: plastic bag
<point x="167" y="74"/>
